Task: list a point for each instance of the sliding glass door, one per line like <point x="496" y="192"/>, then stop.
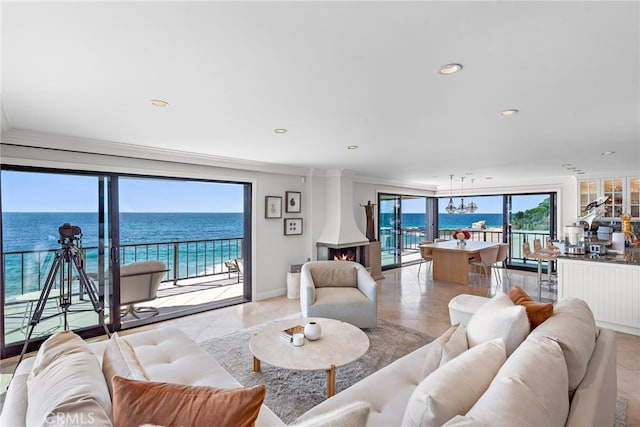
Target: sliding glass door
<point x="51" y="224"/>
<point x="508" y="218"/>
<point x="531" y="217"/>
<point x="390" y="229"/>
<point x="65" y="235"/>
<point x="197" y="230"/>
<point x="402" y="225"/>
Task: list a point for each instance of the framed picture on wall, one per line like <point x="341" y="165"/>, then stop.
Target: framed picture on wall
<point x="292" y="226"/>
<point x="293" y="202"/>
<point x="272" y="207"/>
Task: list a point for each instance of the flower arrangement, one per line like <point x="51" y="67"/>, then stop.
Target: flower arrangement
<point x="461" y="235"/>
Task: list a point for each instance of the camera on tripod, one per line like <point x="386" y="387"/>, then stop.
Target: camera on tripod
<point x="69" y="233"/>
<point x="66" y="258"/>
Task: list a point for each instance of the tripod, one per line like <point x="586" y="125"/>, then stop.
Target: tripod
<point x="71" y="255"/>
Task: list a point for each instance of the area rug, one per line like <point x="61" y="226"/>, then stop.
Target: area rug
<point x="292" y="393"/>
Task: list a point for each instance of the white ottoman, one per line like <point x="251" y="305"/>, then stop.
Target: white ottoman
<point x="462" y="307"/>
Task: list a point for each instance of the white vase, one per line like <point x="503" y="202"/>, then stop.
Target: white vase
<point x="312" y="331"/>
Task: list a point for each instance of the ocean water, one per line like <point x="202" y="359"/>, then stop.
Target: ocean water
<point x="446" y="221"/>
<point x="39" y="232"/>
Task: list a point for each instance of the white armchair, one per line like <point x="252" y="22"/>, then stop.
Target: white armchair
<point x="341" y="290"/>
<point x="139" y="282"/>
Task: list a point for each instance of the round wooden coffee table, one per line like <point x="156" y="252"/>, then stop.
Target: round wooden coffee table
<point x="340" y="344"/>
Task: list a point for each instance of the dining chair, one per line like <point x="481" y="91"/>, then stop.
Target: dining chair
<point x="501" y="260"/>
<point x="488" y="257"/>
<point x="426" y="254"/>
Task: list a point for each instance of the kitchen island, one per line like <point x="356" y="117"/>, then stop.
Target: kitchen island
<point x="610" y="284"/>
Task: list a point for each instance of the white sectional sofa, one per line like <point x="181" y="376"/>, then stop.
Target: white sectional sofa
<point x="166" y="354"/>
<point x="562" y="373"/>
<point x="565" y="352"/>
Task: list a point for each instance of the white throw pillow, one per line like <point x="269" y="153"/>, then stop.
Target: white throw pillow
<point x="447" y="346"/>
<point x="456" y="345"/>
<point x="453" y="388"/>
<point x="58" y="345"/>
<point x="120" y="359"/>
<point x="67" y="387"/>
<point x="573" y="327"/>
<point x="529" y="390"/>
<point x="353" y="414"/>
<point x="499" y="318"/>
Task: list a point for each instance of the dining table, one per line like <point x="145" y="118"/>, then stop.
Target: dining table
<point x="451" y="260"/>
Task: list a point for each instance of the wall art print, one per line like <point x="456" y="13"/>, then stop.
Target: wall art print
<point x="293" y="202"/>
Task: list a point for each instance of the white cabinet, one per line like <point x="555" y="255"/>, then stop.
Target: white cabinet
<point x="634" y="197"/>
<point x="623" y="193"/>
<point x="611" y="290"/>
<point x="614" y="188"/>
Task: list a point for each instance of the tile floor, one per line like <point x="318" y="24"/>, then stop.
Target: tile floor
<point x="415" y="302"/>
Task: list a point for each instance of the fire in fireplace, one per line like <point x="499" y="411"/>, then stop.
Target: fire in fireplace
<point x="352" y="253"/>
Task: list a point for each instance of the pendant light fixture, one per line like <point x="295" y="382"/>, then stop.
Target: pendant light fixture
<point x="462" y="208"/>
<point x="472" y="206"/>
<point x="450" y="207"/>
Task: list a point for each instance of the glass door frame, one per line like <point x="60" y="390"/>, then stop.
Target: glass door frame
<point x="508" y="235"/>
<point x="395" y="233"/>
<point x="104" y="241"/>
<point x="108" y="255"/>
<point x="430" y="226"/>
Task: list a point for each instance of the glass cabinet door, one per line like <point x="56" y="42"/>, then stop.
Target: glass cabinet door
<point x="614" y="189"/>
<point x="588" y="192"/>
<point x="634" y="197"/>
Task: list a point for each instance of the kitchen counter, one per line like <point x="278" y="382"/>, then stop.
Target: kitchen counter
<point x="631" y="256"/>
<point x="609" y="284"/>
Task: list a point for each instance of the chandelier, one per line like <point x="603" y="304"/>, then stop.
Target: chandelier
<point x="461" y="208"/>
<point x="450" y="207"/>
<point x="472" y="206"/>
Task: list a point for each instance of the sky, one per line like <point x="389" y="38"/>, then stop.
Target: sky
<point x="42" y="192"/>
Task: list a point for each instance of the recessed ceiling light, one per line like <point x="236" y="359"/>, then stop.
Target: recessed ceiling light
<point x="606" y="153"/>
<point x="280" y="130"/>
<point x="489" y="177"/>
<point x="571" y="168"/>
<point x="509" y="112"/>
<point x="352" y="147"/>
<point x="159" y="103"/>
<point x="564" y="165"/>
<point x="450" y="68"/>
<point x="580" y="173"/>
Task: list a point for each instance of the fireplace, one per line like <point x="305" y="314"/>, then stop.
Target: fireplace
<point x="341" y="238"/>
<point x="347" y="253"/>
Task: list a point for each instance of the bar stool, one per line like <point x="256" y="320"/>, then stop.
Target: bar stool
<point x="549" y="250"/>
<point x="540" y="257"/>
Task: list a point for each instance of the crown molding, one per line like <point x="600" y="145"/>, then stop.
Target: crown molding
<point x="74" y="144"/>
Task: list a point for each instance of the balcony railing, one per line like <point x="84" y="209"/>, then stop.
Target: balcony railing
<point x="411" y="237"/>
<point x="26" y="271"/>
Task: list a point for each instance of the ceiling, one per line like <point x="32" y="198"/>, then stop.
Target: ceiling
<point x="336" y="74"/>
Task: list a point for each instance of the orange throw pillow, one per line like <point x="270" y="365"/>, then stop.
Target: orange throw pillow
<point x="536" y="312"/>
<point x="145" y="402"/>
